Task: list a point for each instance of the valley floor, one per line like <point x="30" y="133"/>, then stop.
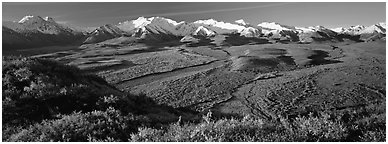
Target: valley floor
<point x="268" y="80"/>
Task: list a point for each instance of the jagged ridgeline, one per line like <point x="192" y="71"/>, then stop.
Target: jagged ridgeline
<point x="35" y="31"/>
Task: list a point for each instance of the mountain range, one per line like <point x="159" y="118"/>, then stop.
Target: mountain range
<point x="36" y="31"/>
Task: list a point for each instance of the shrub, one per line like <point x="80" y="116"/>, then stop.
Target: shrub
<point x="208" y="130"/>
<point x="46" y="101"/>
<point x="318" y="129"/>
<point x="248" y="129"/>
<point x="36" y="89"/>
<point x="109" y="125"/>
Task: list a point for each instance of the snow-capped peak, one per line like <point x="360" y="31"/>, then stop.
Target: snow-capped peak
<point x="374" y="28"/>
<point x="273" y="25"/>
<point x="305" y="29"/>
<point x="357" y="26"/>
<point x="201" y="30"/>
<point x="26" y="18"/>
<point x="383" y="24"/>
<point x="222" y="25"/>
<point x="250" y="32"/>
<point x="48" y="19"/>
<point x="320" y="27"/>
<point x="338" y="30"/>
<point x="207" y="22"/>
<point x="142" y="21"/>
<point x="172" y="21"/>
<point x="241" y="21"/>
<point x="36" y="19"/>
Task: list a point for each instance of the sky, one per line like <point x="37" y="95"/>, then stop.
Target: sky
<point x="88" y="14"/>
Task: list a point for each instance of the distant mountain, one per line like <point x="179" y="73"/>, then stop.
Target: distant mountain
<point x="241" y="22"/>
<point x="81" y="29"/>
<point x="202" y="31"/>
<point x="103" y="33"/>
<point x="278" y="31"/>
<point x="220" y="27"/>
<point x="34" y="31"/>
<point x="370" y="33"/>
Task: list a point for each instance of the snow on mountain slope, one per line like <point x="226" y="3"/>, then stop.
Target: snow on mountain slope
<point x="33" y="24"/>
<point x="160" y="25"/>
<point x="203" y="32"/>
<point x="160" y="29"/>
<point x="104" y="33"/>
<point x="189" y="39"/>
<point x="352" y="30"/>
<point x="278" y="31"/>
<point x="26" y="18"/>
<point x="305" y="29"/>
<point x="49" y="19"/>
<point x="228" y="28"/>
<point x="241" y="21"/>
<point x="142" y="21"/>
<point x="373" y="32"/>
<point x="316" y="33"/>
<point x="370" y="33"/>
<point x="35" y="31"/>
<point x="376" y="28"/>
<point x="275" y="26"/>
<point x="250" y="32"/>
<point x="339" y="29"/>
<point x="359" y="29"/>
<point x="383" y="25"/>
<point x="222" y="25"/>
<point x="134" y="25"/>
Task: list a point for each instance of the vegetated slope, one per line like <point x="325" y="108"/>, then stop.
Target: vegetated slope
<point x="28" y="87"/>
<point x="44" y="92"/>
<point x="35" y="89"/>
<point x="74" y="106"/>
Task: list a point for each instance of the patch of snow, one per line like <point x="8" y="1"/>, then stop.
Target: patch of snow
<point x="221" y="24"/>
<point x="47" y="18"/>
<point x="241" y="21"/>
<point x="250" y="32"/>
<point x="173" y="22"/>
<point x="203" y="30"/>
<point x="304" y="29"/>
<point x="383" y="24"/>
<point x="26" y="18"/>
<point x="338" y="30"/>
<point x="373" y="28"/>
<point x="273" y="25"/>
<point x="142" y="21"/>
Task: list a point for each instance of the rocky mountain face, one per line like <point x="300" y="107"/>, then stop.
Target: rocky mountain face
<point x="34" y="31"/>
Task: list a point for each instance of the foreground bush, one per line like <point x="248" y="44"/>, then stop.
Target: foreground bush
<point x="323" y="127"/>
<point x="112" y="125"/>
<point x="247" y="129"/>
<point x="109" y="125"/>
<point x="36" y="89"/>
<point x="46" y="101"/>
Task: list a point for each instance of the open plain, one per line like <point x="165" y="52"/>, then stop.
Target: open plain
<point x="264" y="80"/>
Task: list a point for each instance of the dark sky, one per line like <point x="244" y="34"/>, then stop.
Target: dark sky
<point x="294" y="13"/>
